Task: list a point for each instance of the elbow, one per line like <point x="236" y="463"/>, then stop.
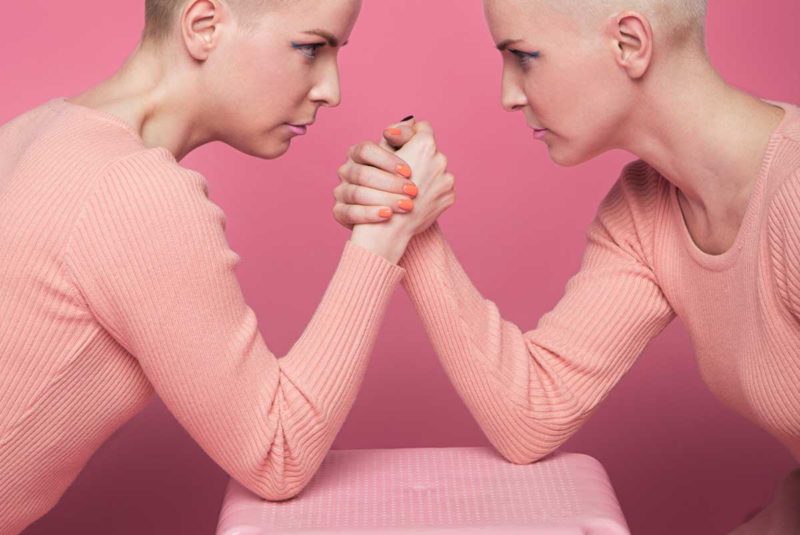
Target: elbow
<point x="280" y="495"/>
<point x="282" y="491"/>
<point x="527" y="448"/>
<point x="276" y="483"/>
<point x="522" y="456"/>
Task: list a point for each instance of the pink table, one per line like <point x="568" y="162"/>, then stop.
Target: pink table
<point x="436" y="491"/>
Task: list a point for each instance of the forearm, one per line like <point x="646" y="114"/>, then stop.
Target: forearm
<point x="530" y="391"/>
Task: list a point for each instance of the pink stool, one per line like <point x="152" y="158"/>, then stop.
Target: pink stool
<point x="436" y="491"/>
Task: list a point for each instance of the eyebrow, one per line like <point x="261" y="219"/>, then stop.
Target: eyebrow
<point x="328" y="36"/>
<point x="507" y="43"/>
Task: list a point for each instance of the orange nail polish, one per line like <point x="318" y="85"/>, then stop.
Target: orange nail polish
<point x="411" y="189"/>
<point x="393" y="131"/>
<point x="385" y="213"/>
<point x="404" y="170"/>
<point x="406" y="205"/>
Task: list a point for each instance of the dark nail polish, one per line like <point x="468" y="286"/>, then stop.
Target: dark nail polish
<point x="406" y="118"/>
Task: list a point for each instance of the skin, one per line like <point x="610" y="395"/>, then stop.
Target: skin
<point x="212" y="79"/>
<point x="671" y="109"/>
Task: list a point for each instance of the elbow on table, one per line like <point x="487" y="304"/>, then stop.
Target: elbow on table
<point x="526" y="449"/>
<point x="516" y="456"/>
<point x="276" y="485"/>
<point x="277" y="493"/>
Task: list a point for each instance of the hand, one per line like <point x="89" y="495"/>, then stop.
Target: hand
<point x="371" y="182"/>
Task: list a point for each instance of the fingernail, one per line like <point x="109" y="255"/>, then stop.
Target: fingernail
<point x="393" y="131"/>
<point x="411" y="189"/>
<point x="406" y="118"/>
<point x="404" y="170"/>
<point x="406" y="205"/>
<point x="385" y="213"/>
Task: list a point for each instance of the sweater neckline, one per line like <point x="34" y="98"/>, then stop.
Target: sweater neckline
<point x="724" y="260"/>
<point x="110" y="118"/>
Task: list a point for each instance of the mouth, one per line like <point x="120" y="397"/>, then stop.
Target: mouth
<point x="299" y="128"/>
<point x="538" y="133"/>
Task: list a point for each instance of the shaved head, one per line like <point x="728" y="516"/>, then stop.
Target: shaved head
<point x="678" y="21"/>
<point x="160" y="15"/>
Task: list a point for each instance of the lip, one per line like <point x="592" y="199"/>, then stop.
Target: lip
<point x="539" y="133"/>
<point x="298" y="129"/>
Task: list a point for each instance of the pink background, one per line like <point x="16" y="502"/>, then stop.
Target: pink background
<point x="680" y="462"/>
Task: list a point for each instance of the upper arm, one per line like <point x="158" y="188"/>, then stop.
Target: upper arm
<point x="783" y="230"/>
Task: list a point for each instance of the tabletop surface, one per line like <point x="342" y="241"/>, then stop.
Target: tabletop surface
<point x="436" y="490"/>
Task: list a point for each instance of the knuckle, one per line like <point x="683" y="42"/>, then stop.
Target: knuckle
<point x="355" y="195"/>
<point x="448" y="181"/>
<point x="357" y="174"/>
<point x="365" y="150"/>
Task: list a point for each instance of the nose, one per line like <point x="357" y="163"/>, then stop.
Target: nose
<point x="512" y="96"/>
<point x="327" y="91"/>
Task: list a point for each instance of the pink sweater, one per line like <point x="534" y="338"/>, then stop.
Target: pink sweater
<point x="116" y="281"/>
<point x="530" y="391"/>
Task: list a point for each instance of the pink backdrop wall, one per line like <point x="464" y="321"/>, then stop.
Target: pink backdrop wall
<point x="680" y="462"/>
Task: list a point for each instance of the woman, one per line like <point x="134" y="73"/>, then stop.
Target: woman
<point x="704" y="226"/>
<point x="116" y="277"/>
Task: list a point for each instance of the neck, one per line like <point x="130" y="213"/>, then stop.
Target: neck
<point x="705" y="137"/>
<point x="151" y="92"/>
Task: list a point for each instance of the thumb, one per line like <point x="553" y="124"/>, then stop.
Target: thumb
<point x="398" y="134"/>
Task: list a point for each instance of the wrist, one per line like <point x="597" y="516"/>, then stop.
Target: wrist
<point x="381" y="239"/>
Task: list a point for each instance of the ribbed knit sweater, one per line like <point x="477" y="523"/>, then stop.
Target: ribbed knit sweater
<point x="531" y="390"/>
<point x="116" y="281"/>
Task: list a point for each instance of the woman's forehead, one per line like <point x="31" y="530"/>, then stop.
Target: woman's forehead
<point x="336" y="17"/>
<point x="527" y="19"/>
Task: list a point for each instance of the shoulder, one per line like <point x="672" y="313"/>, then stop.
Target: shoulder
<point x="148" y="193"/>
<point x="629" y="211"/>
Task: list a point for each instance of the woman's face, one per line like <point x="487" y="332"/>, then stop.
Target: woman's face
<point x="562" y="75"/>
<point x="268" y="82"/>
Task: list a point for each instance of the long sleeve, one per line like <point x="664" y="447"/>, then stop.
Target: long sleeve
<point x="530" y="391"/>
<point x="150" y="257"/>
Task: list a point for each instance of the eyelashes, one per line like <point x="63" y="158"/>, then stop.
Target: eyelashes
<point x="524" y="58"/>
<point x="309" y="50"/>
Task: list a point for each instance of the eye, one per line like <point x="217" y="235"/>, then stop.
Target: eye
<point x="524" y="58"/>
<point x="308" y="49"/>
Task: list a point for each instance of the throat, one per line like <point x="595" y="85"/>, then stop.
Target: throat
<point x="713" y="234"/>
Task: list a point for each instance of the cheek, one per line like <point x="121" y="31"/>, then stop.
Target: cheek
<point x="260" y="87"/>
<point x="589" y="97"/>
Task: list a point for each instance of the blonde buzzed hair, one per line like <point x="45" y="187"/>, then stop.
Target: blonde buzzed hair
<point x="678" y="21"/>
<point x="160" y="15"/>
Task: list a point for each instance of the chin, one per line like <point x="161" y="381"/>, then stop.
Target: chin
<point x="566" y="157"/>
<point x="266" y="151"/>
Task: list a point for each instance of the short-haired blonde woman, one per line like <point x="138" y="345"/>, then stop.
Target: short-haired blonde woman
<point x="116" y="279"/>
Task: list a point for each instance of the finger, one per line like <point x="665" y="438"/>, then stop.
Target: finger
<point x="398" y="134"/>
<point x="369" y="153"/>
<point x="372" y="177"/>
<point x="356" y="214"/>
<point x="423" y="140"/>
<point x="359" y="195"/>
<point x="423" y="126"/>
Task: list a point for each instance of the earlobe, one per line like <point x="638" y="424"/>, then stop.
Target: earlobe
<point x="199" y="27"/>
<point x="633" y="37"/>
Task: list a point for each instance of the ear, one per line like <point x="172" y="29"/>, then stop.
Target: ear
<point x="632" y="38"/>
<point x="200" y="25"/>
